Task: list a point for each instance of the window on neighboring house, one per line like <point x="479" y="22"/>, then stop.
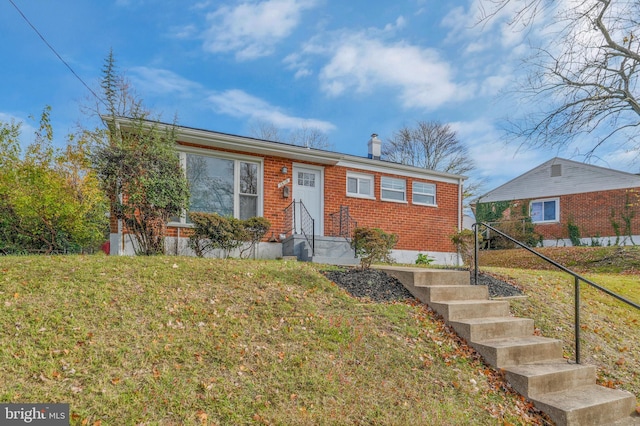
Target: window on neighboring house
<point x="227" y="186"/>
<point x="359" y="185"/>
<point x="393" y="189"/>
<point x="424" y="193"/>
<point x="545" y="210"/>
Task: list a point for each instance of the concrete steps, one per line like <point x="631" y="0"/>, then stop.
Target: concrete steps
<point x="533" y="365"/>
<point x="329" y="250"/>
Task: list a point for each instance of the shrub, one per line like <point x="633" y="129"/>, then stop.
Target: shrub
<point x="464" y="242"/>
<point x="373" y="245"/>
<point x="212" y="231"/>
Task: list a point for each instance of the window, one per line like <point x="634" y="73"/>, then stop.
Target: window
<point x="393" y="189"/>
<point x="359" y="185"/>
<point x="545" y="210"/>
<point x="424" y="193"/>
<point x="307" y="179"/>
<point x="227" y="186"/>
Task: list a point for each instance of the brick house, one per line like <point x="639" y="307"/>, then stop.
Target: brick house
<point x="601" y="204"/>
<point x="245" y="177"/>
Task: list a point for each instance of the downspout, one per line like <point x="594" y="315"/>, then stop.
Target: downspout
<point x="460" y="215"/>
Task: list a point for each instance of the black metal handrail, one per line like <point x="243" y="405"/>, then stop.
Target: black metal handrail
<point x="290" y="219"/>
<point x="307" y="225"/>
<point x="577" y="279"/>
<point x="342" y="224"/>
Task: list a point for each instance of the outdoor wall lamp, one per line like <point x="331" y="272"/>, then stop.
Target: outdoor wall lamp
<point x="284" y="170"/>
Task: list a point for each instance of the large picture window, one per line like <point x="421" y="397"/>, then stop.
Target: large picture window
<point x="227" y="186"/>
<point x="545" y="210"/>
<point x="392" y="189"/>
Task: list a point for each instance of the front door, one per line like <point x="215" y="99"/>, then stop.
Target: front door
<point x="308" y="188"/>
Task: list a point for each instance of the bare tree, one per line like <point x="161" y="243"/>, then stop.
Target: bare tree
<point x="584" y="78"/>
<point x="431" y="145"/>
<point x="308" y="137"/>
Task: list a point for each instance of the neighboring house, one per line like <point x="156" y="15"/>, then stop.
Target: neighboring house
<point x="602" y="204"/>
<point x="244" y="177"/>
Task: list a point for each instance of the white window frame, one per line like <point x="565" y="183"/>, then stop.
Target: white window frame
<point x="425" y="193"/>
<point x="392" y="180"/>
<point x="183" y="151"/>
<point x="360" y="177"/>
<point x="542" y="201"/>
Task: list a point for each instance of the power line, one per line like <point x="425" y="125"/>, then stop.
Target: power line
<point x="54" y="51"/>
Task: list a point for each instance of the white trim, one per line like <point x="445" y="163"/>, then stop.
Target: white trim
<point x="320" y="169"/>
<point x="379" y="166"/>
<point x="434" y="194"/>
<point x="358" y="177"/>
<point x="403" y="192"/>
<point x="545" y="200"/>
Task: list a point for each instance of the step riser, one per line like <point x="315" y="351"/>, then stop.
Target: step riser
<point x="480" y="332"/>
<point x="479" y="309"/>
<point x="532" y="386"/>
<point x="594" y="415"/>
<point x="501" y="357"/>
<point x="430" y="278"/>
<point x="447" y="293"/>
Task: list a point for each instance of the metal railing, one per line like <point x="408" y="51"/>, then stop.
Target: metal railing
<point x="305" y="223"/>
<point x="577" y="279"/>
<point x="342" y="224"/>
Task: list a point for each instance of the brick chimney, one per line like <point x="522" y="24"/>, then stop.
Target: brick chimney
<point x="375" y="147"/>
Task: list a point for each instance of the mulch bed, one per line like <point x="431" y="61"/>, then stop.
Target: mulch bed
<point x="377" y="286"/>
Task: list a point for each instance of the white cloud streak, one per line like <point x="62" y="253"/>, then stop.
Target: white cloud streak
<point x="253" y="29"/>
<point x="364" y="63"/>
<point x="240" y="104"/>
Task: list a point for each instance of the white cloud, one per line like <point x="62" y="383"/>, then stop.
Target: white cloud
<point x="497" y="162"/>
<point x="364" y="63"/>
<point x="161" y="81"/>
<point x="252" y="29"/>
<point x="238" y="103"/>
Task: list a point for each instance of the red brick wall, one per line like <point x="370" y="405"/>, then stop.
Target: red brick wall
<point x="592" y="213"/>
<point x="418" y="227"/>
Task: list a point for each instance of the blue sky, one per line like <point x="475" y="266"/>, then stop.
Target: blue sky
<point x="348" y="68"/>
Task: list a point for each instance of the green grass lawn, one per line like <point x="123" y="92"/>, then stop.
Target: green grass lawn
<point x="174" y="340"/>
<point x="610" y="330"/>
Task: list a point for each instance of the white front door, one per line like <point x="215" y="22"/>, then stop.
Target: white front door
<point x="308" y="188"/>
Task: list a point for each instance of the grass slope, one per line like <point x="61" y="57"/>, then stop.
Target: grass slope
<point x="171" y="340"/>
<point x="610" y="330"/>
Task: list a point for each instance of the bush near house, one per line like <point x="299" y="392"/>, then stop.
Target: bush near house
<point x="212" y="231"/>
<point x="373" y="245"/>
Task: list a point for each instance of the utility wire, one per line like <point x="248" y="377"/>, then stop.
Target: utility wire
<point x="55" y="52"/>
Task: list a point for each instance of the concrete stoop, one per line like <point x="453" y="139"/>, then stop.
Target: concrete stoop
<point x="533" y="365"/>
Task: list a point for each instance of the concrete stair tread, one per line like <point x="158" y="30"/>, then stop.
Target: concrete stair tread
<point x="491" y="320"/>
<point x="587" y="405"/>
<point x="505" y="342"/>
<point x="486" y="328"/>
<point x="471" y="302"/>
<point x="552" y="375"/>
<point x="547" y="367"/>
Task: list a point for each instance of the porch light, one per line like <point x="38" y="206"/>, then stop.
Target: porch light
<point x="284" y="170"/>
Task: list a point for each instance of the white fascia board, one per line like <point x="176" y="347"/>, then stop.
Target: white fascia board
<point x="369" y="165"/>
<point x="256" y="146"/>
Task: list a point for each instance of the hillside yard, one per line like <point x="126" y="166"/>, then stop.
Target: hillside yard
<point x="173" y="340"/>
<point x="610" y="330"/>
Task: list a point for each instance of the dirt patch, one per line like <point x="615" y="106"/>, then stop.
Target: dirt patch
<point x="377" y="286"/>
